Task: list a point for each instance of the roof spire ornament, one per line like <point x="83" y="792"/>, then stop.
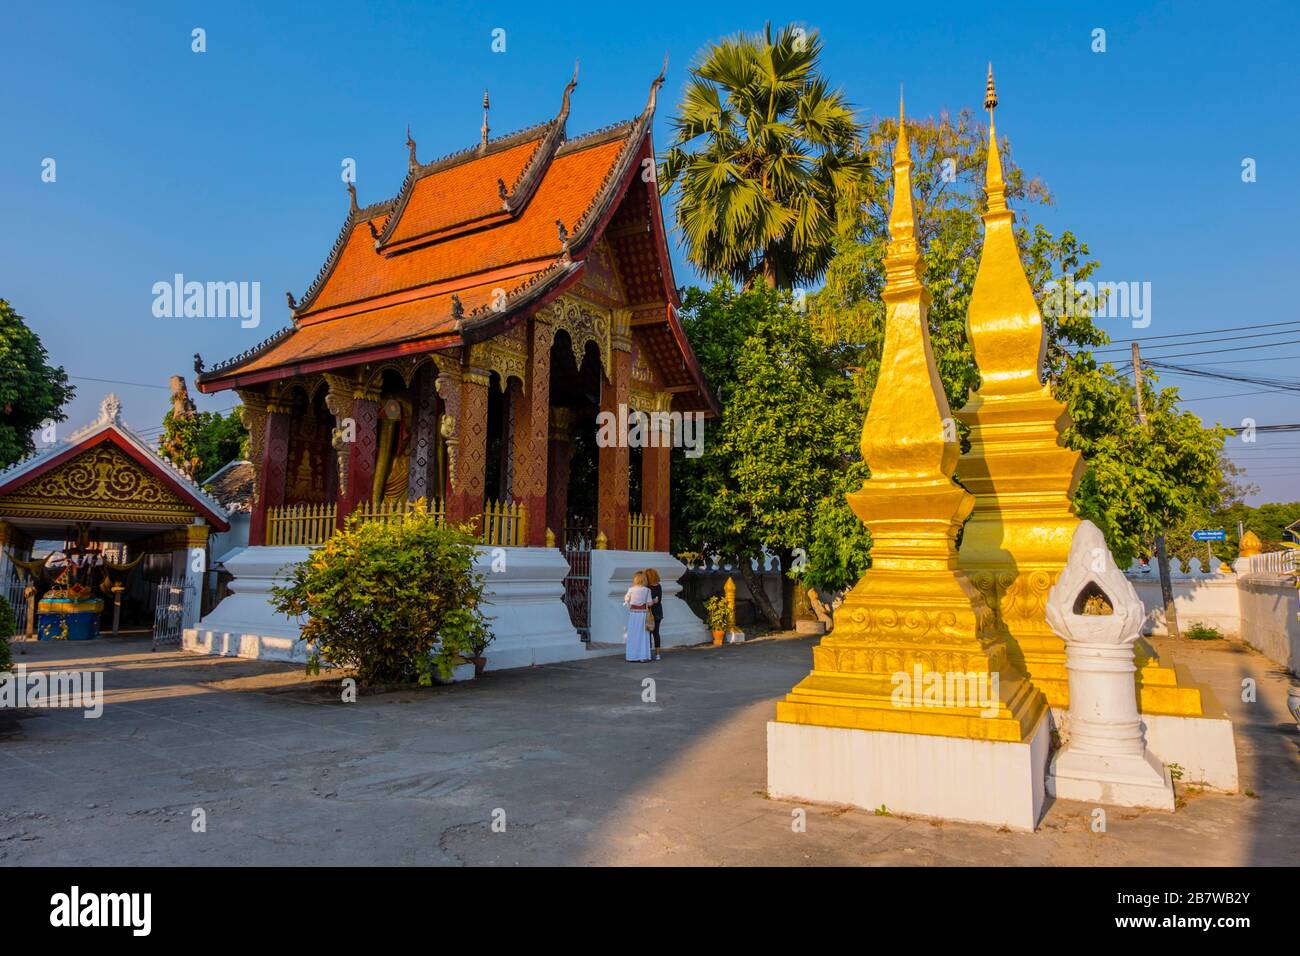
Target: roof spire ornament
<point x="352" y="197"/>
<point x="457" y="308"/>
<point x="486" y="129"/>
<point x="995" y="186"/>
<point x="568" y="92"/>
<point x="411" y="161"/>
<point x="293" y="306"/>
<point x="654" y="87"/>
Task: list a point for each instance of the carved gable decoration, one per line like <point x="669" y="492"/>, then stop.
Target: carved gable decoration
<point x="600" y="280"/>
<point x="506" y="354"/>
<point x="102" y="483"/>
<point x="584" y="323"/>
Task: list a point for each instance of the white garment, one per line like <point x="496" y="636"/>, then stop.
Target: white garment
<point x="638" y="638"/>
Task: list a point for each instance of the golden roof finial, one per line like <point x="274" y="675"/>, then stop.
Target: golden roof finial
<point x="903" y="265"/>
<point x="994" y="184"/>
<point x="1003" y="323"/>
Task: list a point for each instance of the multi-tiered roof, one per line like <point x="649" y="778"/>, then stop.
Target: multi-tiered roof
<point x="477" y="240"/>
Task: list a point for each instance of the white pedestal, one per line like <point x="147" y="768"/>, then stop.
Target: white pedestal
<point x="245" y="624"/>
<point x="611" y="576"/>
<point x="525" y="595"/>
<point x="949" y="778"/>
<point x="1119" y="780"/>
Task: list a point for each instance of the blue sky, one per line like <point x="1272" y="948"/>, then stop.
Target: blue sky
<point x="225" y="165"/>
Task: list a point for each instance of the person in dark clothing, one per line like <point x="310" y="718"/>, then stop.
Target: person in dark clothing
<point x="656" y="606"/>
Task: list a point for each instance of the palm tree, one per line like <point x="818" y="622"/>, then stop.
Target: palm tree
<point x="775" y="152"/>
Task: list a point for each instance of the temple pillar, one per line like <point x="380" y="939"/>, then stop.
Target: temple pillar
<point x="613" y="459"/>
<point x="196" y="567"/>
<point x="466" y="501"/>
<point x="424" y="437"/>
<point x="448" y="386"/>
<point x="268" y="423"/>
<point x="559" y="457"/>
<point x="655" y="479"/>
<point x="530" y="426"/>
<point x="361" y="454"/>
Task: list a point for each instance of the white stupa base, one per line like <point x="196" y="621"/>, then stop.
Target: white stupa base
<point x="1117" y="780"/>
<point x="948" y="778"/>
<point x="1203" y="747"/>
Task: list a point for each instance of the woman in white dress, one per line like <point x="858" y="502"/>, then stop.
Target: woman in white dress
<point x="637" y="602"/>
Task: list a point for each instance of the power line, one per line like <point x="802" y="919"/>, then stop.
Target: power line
<point x="1240" y="348"/>
<point x="113" y="381"/>
<point x="1180" y="335"/>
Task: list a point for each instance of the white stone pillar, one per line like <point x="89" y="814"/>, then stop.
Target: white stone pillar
<point x="1106" y="759"/>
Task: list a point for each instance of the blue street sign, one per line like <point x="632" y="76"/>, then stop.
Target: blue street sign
<point x="1210" y="534"/>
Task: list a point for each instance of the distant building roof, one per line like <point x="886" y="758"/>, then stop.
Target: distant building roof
<point x="232" y="485"/>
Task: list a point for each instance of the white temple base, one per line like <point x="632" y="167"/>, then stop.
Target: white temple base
<point x="244" y="624"/>
<point x="525" y="608"/>
<point x="611" y="576"/>
<point x="1118" y="780"/>
<point x="525" y="605"/>
<point x="948" y="778"/>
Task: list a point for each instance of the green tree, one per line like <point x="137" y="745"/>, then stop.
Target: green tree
<point x="764" y="157"/>
<point x="32" y="392"/>
<point x="219" y="440"/>
<point x="775" y="454"/>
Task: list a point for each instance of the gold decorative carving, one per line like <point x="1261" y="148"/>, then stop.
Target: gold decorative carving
<point x="585" y="323"/>
<point x="506" y="354"/>
<point x="101" y="484"/>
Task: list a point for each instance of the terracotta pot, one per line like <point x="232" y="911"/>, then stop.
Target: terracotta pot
<point x="717" y="637"/>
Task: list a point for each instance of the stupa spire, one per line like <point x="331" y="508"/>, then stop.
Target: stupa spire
<point x="1003" y="323"/>
<point x="904" y="434"/>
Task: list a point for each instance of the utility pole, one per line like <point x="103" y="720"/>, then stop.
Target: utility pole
<point x="1162" y="554"/>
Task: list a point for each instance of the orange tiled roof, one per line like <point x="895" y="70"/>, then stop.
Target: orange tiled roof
<point x="416" y="320"/>
<point x="565" y="192"/>
<point x="393" y="272"/>
<point x="461" y="194"/>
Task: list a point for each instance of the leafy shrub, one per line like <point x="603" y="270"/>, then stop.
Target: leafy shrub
<point x="387" y="598"/>
<point x="1203" y="632"/>
<point x="719" y="613"/>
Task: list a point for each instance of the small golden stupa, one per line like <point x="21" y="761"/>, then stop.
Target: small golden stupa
<point x="1021" y="473"/>
<point x="913" y="613"/>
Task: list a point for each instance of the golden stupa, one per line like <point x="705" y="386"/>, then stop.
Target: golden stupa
<point x="913" y="613"/>
<point x="1020" y="472"/>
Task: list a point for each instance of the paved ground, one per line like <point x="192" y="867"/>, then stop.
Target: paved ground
<point x="584" y="771"/>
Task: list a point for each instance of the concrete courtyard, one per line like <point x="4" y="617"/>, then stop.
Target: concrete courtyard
<point x="578" y="767"/>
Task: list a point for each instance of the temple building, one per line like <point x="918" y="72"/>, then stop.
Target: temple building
<point x="103" y="510"/>
<point x="461" y="340"/>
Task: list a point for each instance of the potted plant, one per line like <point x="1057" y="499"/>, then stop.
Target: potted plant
<point x="720" y="617"/>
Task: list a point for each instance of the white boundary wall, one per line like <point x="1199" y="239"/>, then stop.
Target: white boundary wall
<point x="1259" y="603"/>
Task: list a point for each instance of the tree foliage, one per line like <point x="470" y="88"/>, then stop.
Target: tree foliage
<point x="199" y="443"/>
<point x="386" y="598"/>
<point x="32" y="392"/>
<point x="764" y="156"/>
<point x="777" y="451"/>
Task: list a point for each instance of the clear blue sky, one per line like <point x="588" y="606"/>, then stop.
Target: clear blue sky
<point x="225" y="165"/>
